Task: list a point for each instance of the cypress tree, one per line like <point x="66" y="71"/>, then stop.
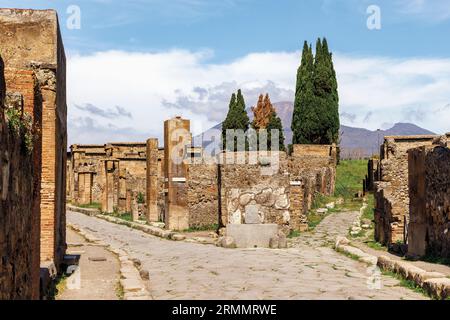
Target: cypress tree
<point x="237" y="117"/>
<point x="316" y="107"/>
<point x="242" y="120"/>
<point x="304" y="118"/>
<point x="325" y="95"/>
<point x="275" y="123"/>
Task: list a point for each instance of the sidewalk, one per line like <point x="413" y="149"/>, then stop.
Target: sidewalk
<point x="99" y="271"/>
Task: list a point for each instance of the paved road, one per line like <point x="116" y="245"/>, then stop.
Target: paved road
<point x="309" y="269"/>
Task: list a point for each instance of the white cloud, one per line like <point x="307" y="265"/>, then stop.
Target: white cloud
<point x="153" y="87"/>
<point x="430" y="10"/>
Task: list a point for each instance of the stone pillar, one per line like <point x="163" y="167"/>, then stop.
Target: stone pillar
<point x="177" y="138"/>
<point x="152" y="180"/>
<point x="110" y="190"/>
<point x="134" y="206"/>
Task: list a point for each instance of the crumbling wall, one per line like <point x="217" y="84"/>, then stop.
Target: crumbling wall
<point x="202" y="194"/>
<point x="31" y="41"/>
<point x="313" y="168"/>
<point x="429" y="190"/>
<point x="84" y="179"/>
<point x="123" y="165"/>
<point x="255" y="192"/>
<point x="19" y="179"/>
<point x="391" y="192"/>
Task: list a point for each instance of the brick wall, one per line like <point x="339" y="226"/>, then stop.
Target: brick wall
<point x="31" y="40"/>
<point x="19" y="214"/>
<point x="429" y="190"/>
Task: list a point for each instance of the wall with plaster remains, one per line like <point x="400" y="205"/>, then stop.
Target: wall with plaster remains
<point x="391" y="192"/>
<point x="19" y="179"/>
<point x="429" y="191"/>
<point x="31" y="41"/>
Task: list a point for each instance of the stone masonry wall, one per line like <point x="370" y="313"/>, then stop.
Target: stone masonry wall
<point x="31" y="41"/>
<point x="429" y="189"/>
<point x="391" y="192"/>
<point x="251" y="195"/>
<point x="202" y="195"/>
<point x="313" y="168"/>
<point x="19" y="199"/>
<point x="84" y="172"/>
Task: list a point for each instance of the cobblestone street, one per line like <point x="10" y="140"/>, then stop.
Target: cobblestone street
<point x="309" y="269"/>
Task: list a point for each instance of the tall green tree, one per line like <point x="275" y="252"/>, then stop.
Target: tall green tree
<point x="316" y="107"/>
<point x="304" y="119"/>
<point x="326" y="95"/>
<point x="236" y="119"/>
<point x="275" y="123"/>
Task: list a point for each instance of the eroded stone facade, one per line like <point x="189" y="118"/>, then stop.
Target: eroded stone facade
<point x="392" y="192"/>
<point x="277" y="189"/>
<point x="429" y="191"/>
<point x="83" y="175"/>
<point x="34" y="58"/>
<point x="111" y="175"/>
<point x="185" y="188"/>
<point x="19" y="192"/>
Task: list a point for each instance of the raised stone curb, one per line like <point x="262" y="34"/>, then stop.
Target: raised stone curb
<point x="434" y="283"/>
<point x="152" y="229"/>
<point x="86" y="211"/>
<point x="342" y="246"/>
<point x="130" y="279"/>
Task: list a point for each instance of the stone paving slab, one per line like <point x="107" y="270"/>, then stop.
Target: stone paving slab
<point x="309" y="269"/>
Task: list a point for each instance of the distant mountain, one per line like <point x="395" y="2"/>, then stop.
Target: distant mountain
<point x="355" y="142"/>
<point x="359" y="142"/>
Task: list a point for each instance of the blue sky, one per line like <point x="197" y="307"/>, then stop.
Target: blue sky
<point x="187" y="56"/>
<point x="233" y="28"/>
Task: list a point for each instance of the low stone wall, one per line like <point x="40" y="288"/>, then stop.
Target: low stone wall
<point x="429" y="190"/>
<point x="249" y="194"/>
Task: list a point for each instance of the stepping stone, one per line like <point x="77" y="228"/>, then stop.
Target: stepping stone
<point x="97" y="259"/>
<point x="131" y="285"/>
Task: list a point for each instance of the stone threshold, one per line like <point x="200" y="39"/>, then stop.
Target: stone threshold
<point x="436" y="284"/>
<point x="149" y="229"/>
<point x="130" y="279"/>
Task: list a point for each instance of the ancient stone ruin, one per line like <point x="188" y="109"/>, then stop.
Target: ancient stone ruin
<point x="184" y="188"/>
<point x="111" y="175"/>
<point x="33" y="171"/>
<point x="410" y="187"/>
<point x="429" y="191"/>
<point x="391" y="192"/>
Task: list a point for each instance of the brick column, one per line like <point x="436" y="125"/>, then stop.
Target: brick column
<point x="176" y="138"/>
<point x="152" y="180"/>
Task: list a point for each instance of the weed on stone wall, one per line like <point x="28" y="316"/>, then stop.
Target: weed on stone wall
<point x="22" y="126"/>
<point x="140" y="198"/>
